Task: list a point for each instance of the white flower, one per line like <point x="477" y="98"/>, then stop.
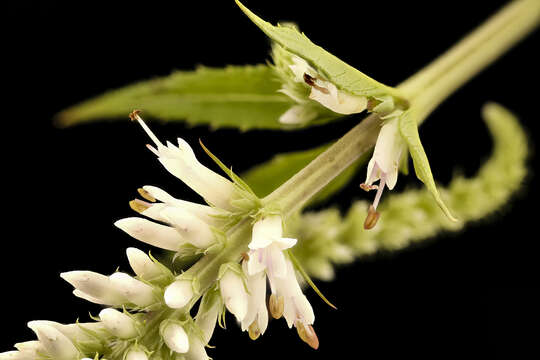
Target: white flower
<point x="322" y="91"/>
<point x="233" y="293"/>
<point x="384" y="164"/>
<point x="178" y="294"/>
<point x="175" y="337"/>
<point x="57" y="345"/>
<point x="256" y="319"/>
<point x="266" y="247"/>
<point x="133" y="290"/>
<point x="161" y="236"/>
<point x="94" y="287"/>
<point x="136" y="354"/>
<point x="79" y="332"/>
<point x="182" y="163"/>
<point x="142" y="264"/>
<point x="118" y="324"/>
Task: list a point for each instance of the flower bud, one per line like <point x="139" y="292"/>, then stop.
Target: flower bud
<point x="17" y="355"/>
<point x="175" y="337"/>
<point x="134" y="290"/>
<point x="192" y="229"/>
<point x="161" y="236"/>
<point x="178" y="294"/>
<point x="233" y="293"/>
<point x="136" y="354"/>
<point x="118" y="324"/>
<point x="56" y="344"/>
<point x="96" y="287"/>
<point x="75" y="332"/>
<point x="142" y="265"/>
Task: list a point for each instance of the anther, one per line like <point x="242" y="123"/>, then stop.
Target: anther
<point x="254" y="331"/>
<point x="276" y="305"/>
<point x="138" y="205"/>
<point x="245" y="256"/>
<point x="307" y="334"/>
<point x="367" y="187"/>
<point x="145" y="194"/>
<point x="310" y="80"/>
<point x="134" y="115"/>
<point x="371" y="218"/>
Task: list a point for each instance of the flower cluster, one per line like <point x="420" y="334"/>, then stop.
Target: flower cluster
<point x="149" y="315"/>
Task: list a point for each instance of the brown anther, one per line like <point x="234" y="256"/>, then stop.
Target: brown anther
<point x="367" y="187"/>
<point x="254" y="331"/>
<point x="276" y="305"/>
<point x="138" y="205"/>
<point x="134" y="114"/>
<point x="310" y="80"/>
<point x="145" y="194"/>
<point x="371" y="218"/>
<point x="245" y="256"/>
<point x="371" y="104"/>
<point x="307" y="334"/>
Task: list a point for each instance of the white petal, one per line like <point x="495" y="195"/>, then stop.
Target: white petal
<point x="136" y="355"/>
<point x="17" y="355"/>
<point x="204" y="212"/>
<point x="276" y="261"/>
<point x="286" y="243"/>
<point x="256" y="262"/>
<point x="191" y="228"/>
<point x="142" y="264"/>
<point x="56" y="344"/>
<point x="262" y="319"/>
<point x="266" y="231"/>
<point x="81" y="294"/>
<point x="196" y="350"/>
<point x="297" y="115"/>
<point x="119" y="324"/>
<point x="158" y="235"/>
<point x="304" y="309"/>
<point x="234" y="294"/>
<point x="176" y="338"/>
<point x="336" y="100"/>
<point x="75" y="332"/>
<point x="388" y="150"/>
<point x="178" y="294"/>
<point x="134" y="290"/>
<point x="95" y="286"/>
<point x="257" y="296"/>
<point x="30" y="346"/>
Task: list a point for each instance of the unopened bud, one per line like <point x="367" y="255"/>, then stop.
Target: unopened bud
<point x="254" y="331"/>
<point x="178" y="294"/>
<point x="371" y="218"/>
<point x="119" y="324"/>
<point x="307" y="334"/>
<point x="136" y="354"/>
<point x="175" y="337"/>
<point x="276" y="305"/>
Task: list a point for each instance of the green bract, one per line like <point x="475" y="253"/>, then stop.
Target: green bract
<point x="341" y="74"/>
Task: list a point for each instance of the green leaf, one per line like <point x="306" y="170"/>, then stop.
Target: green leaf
<point x="408" y="128"/>
<point x="266" y="177"/>
<point x="343" y="75"/>
<point x="244" y="97"/>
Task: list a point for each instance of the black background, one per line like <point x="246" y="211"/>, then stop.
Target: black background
<point x="63" y="188"/>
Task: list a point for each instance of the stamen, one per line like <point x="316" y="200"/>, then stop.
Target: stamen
<point x="307" y="334"/>
<point x="135" y="116"/>
<point x="382" y="184"/>
<point x="367" y="187"/>
<point x="371" y="218"/>
<point x="245" y="256"/>
<point x="139" y="205"/>
<point x="276" y="305"/>
<point x="254" y="331"/>
<point x="153" y="149"/>
<point x="310" y="80"/>
<point x="145" y="194"/>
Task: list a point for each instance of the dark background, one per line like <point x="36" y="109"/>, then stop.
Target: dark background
<point x="63" y="188"/>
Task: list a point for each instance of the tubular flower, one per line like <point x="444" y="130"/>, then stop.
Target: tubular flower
<point x="322" y="91"/>
<point x="384" y="165"/>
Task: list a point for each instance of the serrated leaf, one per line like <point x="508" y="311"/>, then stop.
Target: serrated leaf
<point x="343" y="75"/>
<point x="266" y="177"/>
<point x="244" y="97"/>
<point x="408" y="128"/>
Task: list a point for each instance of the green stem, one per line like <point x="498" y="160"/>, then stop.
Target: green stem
<point x="425" y="91"/>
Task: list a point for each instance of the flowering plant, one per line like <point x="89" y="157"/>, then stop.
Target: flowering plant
<point x="246" y="244"/>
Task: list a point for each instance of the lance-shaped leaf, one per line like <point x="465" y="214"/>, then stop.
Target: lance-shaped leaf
<point x="244" y="97"/>
<point x="266" y="177"/>
<point x="341" y="74"/>
<point x="408" y="128"/>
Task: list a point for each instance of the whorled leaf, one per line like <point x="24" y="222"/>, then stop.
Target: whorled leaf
<point x="266" y="177"/>
<point x="408" y="128"/>
<point x="244" y="97"/>
<point x="341" y="74"/>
